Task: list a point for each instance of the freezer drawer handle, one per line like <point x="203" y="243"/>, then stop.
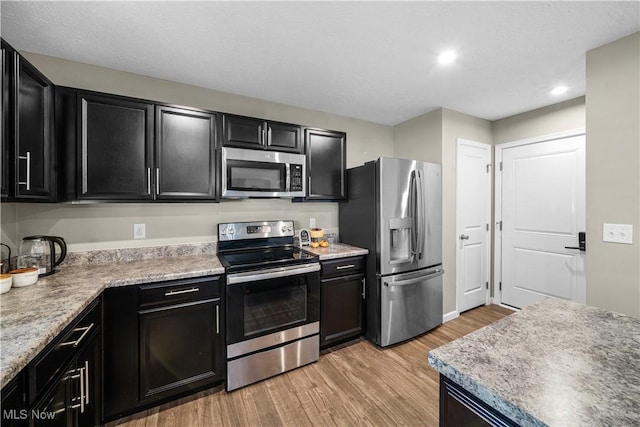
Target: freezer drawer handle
<point x="415" y="279"/>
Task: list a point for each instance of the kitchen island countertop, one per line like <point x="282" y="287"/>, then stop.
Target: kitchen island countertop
<point x="555" y="363"/>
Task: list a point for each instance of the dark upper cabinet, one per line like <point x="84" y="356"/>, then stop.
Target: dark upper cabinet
<point x="247" y="132"/>
<point x="326" y="164"/>
<point x="115" y="150"/>
<point x="185" y="165"/>
<point x="6" y="57"/>
<point x="28" y="167"/>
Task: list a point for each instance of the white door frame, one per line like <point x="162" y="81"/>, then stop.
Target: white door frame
<point x="460" y="225"/>
<point x="497" y="230"/>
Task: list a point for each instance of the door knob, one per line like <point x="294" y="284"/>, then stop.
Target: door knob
<point x="464" y="237"/>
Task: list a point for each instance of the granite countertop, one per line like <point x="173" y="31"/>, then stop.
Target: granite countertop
<point x="32" y="316"/>
<point x="337" y="250"/>
<point x="555" y="363"/>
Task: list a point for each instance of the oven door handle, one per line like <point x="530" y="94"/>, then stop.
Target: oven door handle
<point x="271" y="273"/>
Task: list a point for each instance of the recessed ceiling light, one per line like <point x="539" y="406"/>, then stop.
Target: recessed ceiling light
<point x="447" y="57"/>
<point x="559" y="90"/>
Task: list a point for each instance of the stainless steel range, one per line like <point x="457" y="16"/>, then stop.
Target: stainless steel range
<point x="273" y="301"/>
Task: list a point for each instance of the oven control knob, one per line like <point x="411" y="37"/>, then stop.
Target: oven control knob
<point x="283" y="229"/>
<point x="289" y="228"/>
<point x="231" y="231"/>
<point x="223" y="231"/>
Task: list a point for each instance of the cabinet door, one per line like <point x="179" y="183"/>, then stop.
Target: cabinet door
<point x="180" y="348"/>
<point x="54" y="409"/>
<point x="5" y="126"/>
<point x="14" y="409"/>
<point x="284" y="137"/>
<point x="115" y="152"/>
<point x="341" y="312"/>
<point x="185" y="154"/>
<point x="242" y="132"/>
<point x="326" y="164"/>
<point x="33" y="121"/>
<point x="88" y="366"/>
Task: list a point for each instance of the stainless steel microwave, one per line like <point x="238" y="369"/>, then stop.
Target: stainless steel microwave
<point x="258" y="173"/>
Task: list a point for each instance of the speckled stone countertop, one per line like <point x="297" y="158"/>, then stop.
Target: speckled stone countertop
<point x="337" y="250"/>
<point x="555" y="363"/>
<point x="32" y="316"/>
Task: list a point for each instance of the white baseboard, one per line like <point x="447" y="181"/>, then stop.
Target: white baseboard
<point x="450" y="316"/>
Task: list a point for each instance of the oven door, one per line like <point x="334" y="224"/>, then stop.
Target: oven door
<point x="261" y="303"/>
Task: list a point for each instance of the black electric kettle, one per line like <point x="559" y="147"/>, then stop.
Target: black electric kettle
<point x="40" y="252"/>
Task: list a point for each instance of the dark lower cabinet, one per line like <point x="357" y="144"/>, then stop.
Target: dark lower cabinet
<point x="62" y="385"/>
<point x="162" y="341"/>
<point x="178" y="348"/>
<point x="74" y="398"/>
<point x="459" y="408"/>
<point x="326" y="164"/>
<point x="341" y="293"/>
<point x="14" y="407"/>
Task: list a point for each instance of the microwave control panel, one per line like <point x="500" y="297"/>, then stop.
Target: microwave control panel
<point x="296" y="178"/>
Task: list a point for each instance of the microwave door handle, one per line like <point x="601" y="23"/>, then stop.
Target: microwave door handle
<point x="287" y="184"/>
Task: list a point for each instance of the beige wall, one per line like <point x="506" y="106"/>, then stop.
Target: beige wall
<point x="111" y="225"/>
<point x="554" y="118"/>
<point x="419" y="138"/>
<point x="455" y="125"/>
<point x="613" y="173"/>
<point x="432" y="137"/>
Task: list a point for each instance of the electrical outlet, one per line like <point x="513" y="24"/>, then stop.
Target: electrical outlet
<point x="617" y="233"/>
<point x="139" y="231"/>
<point x="312" y="223"/>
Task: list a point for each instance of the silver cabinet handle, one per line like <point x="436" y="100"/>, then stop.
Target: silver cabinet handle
<point x="217" y="318"/>
<point x="79" y="375"/>
<point x="464" y="237"/>
<point x="342" y="267"/>
<point x="77" y="342"/>
<point x="86" y="375"/>
<point x="364" y="282"/>
<point x="28" y="181"/>
<point x="149" y="181"/>
<point x="157" y="180"/>
<point x="183" y="291"/>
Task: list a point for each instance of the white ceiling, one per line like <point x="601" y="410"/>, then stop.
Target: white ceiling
<point x="369" y="60"/>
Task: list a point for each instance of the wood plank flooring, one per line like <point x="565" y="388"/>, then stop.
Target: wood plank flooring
<point x="353" y="384"/>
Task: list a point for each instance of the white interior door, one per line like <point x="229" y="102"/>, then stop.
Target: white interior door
<point x="543" y="209"/>
<point x="473" y="212"/>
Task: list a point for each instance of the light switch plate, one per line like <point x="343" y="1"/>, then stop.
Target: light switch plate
<point x="139" y="231"/>
<point x="312" y="223"/>
<point x="617" y="233"/>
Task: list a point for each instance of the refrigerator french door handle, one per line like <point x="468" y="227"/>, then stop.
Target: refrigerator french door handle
<point x="421" y="217"/>
<point x="413" y="207"/>
<point x="415" y="280"/>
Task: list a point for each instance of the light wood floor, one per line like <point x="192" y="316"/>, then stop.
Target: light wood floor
<point x="353" y="384"/>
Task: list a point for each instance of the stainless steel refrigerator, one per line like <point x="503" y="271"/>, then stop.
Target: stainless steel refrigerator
<point x="394" y="209"/>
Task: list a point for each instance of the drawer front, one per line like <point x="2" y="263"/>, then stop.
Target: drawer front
<point x="342" y="267"/>
<point x="176" y="291"/>
<point x="49" y="363"/>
